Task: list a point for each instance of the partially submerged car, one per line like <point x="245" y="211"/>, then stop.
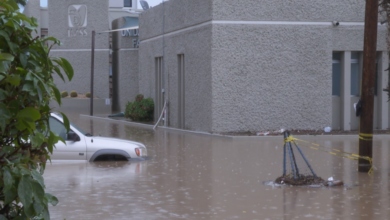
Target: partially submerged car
<point x="83" y="146"/>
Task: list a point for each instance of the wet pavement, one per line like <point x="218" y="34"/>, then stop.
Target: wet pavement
<point x="197" y="176"/>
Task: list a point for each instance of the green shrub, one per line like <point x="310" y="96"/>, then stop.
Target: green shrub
<point x="141" y="109"/>
<point x="64" y="94"/>
<point x="73" y="93"/>
<point x="88" y="94"/>
<point x="27" y="73"/>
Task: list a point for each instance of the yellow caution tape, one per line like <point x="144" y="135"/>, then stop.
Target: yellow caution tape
<point x="339" y="152"/>
<point x="365" y="137"/>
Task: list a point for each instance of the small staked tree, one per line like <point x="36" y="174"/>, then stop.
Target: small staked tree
<point x="26" y="88"/>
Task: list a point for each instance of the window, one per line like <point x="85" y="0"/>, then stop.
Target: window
<point x="355" y="74"/>
<point x="127" y="3"/>
<point x="336" y="74"/>
<point x="57" y="128"/>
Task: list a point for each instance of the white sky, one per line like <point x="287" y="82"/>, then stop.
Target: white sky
<point x="151" y="3"/>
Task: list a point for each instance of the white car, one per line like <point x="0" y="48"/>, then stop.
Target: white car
<point x="83" y="146"/>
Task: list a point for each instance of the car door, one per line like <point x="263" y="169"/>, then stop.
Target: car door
<point x="72" y="150"/>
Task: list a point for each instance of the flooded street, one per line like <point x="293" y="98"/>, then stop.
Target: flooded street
<point x="198" y="176"/>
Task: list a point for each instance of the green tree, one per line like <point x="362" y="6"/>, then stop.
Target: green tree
<point x="26" y="87"/>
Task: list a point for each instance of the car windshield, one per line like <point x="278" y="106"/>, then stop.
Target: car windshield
<point x="79" y="129"/>
<point x="74" y="126"/>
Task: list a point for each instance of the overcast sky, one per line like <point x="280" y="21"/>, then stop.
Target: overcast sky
<point x="151" y="3"/>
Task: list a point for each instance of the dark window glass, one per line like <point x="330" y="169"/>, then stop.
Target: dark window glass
<point x="355" y="74"/>
<point x="336" y="75"/>
<point x="127" y="3"/>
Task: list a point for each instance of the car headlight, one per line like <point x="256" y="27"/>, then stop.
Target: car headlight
<point x="141" y="152"/>
<point x="144" y="152"/>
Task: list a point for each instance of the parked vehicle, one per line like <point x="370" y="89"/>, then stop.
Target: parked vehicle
<point x="83" y="146"/>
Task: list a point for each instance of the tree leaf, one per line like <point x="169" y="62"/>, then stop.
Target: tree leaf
<point x="9" y="195"/>
<point x="5" y="115"/>
<point x="58" y="71"/>
<point x="51" y="199"/>
<point x="25" y="190"/>
<point x="38" y="177"/>
<point x="57" y="94"/>
<point x="37" y="140"/>
<point x="13" y="79"/>
<point x="66" y="122"/>
<point x="3" y="94"/>
<point x="29" y="210"/>
<point x="67" y="68"/>
<point x="26" y="118"/>
<point x="5" y="36"/>
<point x="39" y="195"/>
<point x="28" y="87"/>
<point x="4" y="66"/>
<point x="8" y="180"/>
<point x="23" y="60"/>
<point x="45" y="214"/>
<point x="6" y="57"/>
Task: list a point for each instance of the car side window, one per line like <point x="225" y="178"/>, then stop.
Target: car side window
<point x="57" y="128"/>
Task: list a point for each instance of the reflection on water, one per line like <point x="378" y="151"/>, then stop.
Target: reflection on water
<point x="193" y="176"/>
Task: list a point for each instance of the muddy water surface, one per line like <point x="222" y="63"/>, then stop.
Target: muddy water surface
<point x="195" y="176"/>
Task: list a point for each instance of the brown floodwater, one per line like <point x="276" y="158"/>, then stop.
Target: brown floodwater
<point x="198" y="176"/>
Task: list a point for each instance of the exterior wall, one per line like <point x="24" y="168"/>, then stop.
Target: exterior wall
<point x="179" y="14"/>
<point x="268" y="77"/>
<point x="270" y="60"/>
<point x="195" y="44"/>
<point x="125" y="67"/>
<point x="80" y="61"/>
<point x="282" y="10"/>
<point x="33" y="9"/>
<point x="77" y="49"/>
<point x="272" y="75"/>
<point x="183" y="35"/>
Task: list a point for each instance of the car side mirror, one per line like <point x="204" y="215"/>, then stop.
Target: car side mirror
<point x="73" y="136"/>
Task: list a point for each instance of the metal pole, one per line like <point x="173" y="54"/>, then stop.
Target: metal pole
<point x="291" y="161"/>
<point x="293" y="156"/>
<point x="368" y="84"/>
<point x="92" y="72"/>
<point x="284" y="154"/>
<point x="307" y="162"/>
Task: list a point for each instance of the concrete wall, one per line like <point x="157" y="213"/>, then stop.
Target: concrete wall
<point x="80" y="61"/>
<point x="251" y="65"/>
<point x="77" y="48"/>
<point x="195" y="44"/>
<point x="272" y="75"/>
<point x="268" y="77"/>
<point x="263" y="75"/>
<point x="125" y="67"/>
<point x="179" y="14"/>
<point x="33" y="9"/>
<point x="97" y="19"/>
<point x="282" y="10"/>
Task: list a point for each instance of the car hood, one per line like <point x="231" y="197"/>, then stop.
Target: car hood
<point x="110" y="141"/>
